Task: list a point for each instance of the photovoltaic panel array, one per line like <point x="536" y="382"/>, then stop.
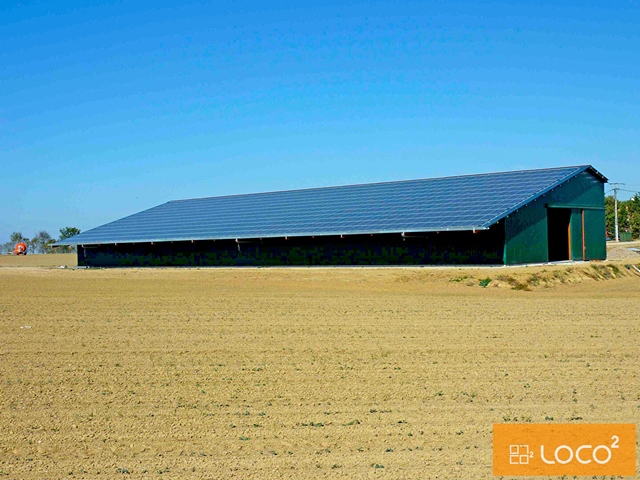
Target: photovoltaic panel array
<point x="452" y="203"/>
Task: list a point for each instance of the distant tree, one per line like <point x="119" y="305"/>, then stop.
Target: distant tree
<point x="7" y="247"/>
<point x="17" y="237"/>
<point x="41" y="242"/>
<point x="628" y="216"/>
<point x="68" y="232"/>
<point x="624" y="216"/>
<point x="609" y="216"/>
<point x="634" y="215"/>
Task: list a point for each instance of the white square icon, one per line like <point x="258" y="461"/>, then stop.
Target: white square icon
<point x="519" y="454"/>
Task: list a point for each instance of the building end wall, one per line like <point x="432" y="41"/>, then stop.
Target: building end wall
<point x="526" y="230"/>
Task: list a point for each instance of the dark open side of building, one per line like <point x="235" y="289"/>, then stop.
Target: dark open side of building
<point x="529" y="216"/>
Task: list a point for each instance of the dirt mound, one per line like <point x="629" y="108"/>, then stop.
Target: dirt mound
<point x="568" y="275"/>
<point x="522" y="278"/>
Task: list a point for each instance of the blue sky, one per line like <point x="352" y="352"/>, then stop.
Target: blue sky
<point x="109" y="108"/>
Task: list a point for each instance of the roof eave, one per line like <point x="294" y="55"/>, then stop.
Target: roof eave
<point x="280" y="235"/>
<point x="597" y="174"/>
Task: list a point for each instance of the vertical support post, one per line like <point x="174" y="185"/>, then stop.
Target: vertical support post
<point x="570" y="257"/>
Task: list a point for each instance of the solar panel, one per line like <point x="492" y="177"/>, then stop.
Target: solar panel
<point x="452" y="203"/>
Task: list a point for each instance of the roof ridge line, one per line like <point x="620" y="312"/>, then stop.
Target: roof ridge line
<point x="379" y="183"/>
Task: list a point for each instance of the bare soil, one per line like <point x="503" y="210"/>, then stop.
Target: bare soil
<point x="304" y="373"/>
<point x="39" y="260"/>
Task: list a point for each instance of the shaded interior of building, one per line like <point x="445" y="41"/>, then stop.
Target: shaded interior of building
<point x="483" y="247"/>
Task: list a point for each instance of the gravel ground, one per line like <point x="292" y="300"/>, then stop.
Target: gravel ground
<point x="620" y="251"/>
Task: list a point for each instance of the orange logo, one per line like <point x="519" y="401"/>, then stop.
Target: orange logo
<point x="547" y="449"/>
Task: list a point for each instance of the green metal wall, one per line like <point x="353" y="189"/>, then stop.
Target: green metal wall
<point x="595" y="237"/>
<point x="526" y="232"/>
<point x="576" y="234"/>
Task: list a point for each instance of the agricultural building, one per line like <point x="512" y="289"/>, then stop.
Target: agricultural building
<point x="514" y="217"/>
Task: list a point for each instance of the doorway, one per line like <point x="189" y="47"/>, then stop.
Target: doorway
<point x="559" y="241"/>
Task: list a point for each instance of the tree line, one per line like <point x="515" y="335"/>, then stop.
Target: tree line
<point x="628" y="216"/>
<point x="41" y="241"/>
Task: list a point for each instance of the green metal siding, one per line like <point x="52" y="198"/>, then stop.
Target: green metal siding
<point x="526" y="235"/>
<point x="526" y="229"/>
<point x="625" y="236"/>
<point x="595" y="236"/>
<point x="576" y="234"/>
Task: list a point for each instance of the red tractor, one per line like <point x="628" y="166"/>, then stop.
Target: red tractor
<point x="20" y="249"/>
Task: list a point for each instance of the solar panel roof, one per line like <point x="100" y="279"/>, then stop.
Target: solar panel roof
<point x="469" y="202"/>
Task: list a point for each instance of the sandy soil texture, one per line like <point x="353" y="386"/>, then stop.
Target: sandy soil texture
<point x="299" y="373"/>
<point x="39" y="260"/>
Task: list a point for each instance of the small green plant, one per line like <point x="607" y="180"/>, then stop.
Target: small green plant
<point x="484" y="282"/>
<point x="352" y="422"/>
<point x="459" y="279"/>
<point x="534" y="279"/>
<point x="313" y="424"/>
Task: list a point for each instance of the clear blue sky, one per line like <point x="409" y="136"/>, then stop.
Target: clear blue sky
<point x="109" y="108"/>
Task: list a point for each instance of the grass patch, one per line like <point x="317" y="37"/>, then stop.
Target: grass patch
<point x="460" y="278"/>
<point x="515" y="284"/>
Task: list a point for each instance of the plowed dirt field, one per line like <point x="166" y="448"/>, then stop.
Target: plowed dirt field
<point x="302" y="373"/>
